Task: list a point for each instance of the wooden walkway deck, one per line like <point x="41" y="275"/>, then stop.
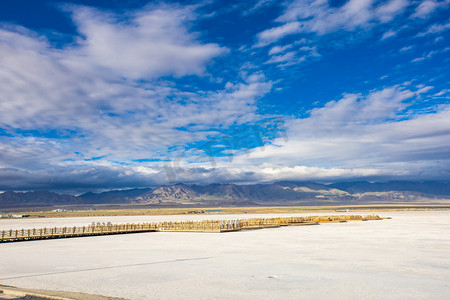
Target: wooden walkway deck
<point x="187" y="226"/>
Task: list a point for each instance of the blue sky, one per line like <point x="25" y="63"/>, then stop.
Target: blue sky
<point x="99" y="95"/>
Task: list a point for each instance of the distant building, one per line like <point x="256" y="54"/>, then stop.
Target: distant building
<point x="59" y="210"/>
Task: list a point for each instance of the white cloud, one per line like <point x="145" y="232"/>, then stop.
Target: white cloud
<point x="95" y="97"/>
<point x="406" y="48"/>
<point x="292" y="57"/>
<point x="150" y="43"/>
<point x="424" y="89"/>
<point x="430" y="54"/>
<point x="274" y="34"/>
<point x="321" y="18"/>
<point x="360" y="136"/>
<point x="442" y="93"/>
<point x="388" y="11"/>
<point x="355" y="109"/>
<point x="316" y="19"/>
<point x="269" y="172"/>
<point x="357" y="136"/>
<point x="425" y="8"/>
<point x="317" y="16"/>
<point x="287" y="57"/>
<point x="418" y="59"/>
<point x="279" y="49"/>
<point x="93" y="90"/>
<point x="435" y="28"/>
<point x="388" y="34"/>
<point x="257" y="6"/>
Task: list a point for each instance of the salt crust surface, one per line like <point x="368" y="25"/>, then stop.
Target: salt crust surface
<point x="407" y="257"/>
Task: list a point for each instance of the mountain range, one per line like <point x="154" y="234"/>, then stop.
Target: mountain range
<point x="278" y="193"/>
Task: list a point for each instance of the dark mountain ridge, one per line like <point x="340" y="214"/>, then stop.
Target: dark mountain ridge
<point x="278" y="193"/>
<point x="10" y="198"/>
<point x="426" y="187"/>
<point x="115" y="196"/>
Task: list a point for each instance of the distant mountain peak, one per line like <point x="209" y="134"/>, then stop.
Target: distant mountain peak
<point x="278" y="193"/>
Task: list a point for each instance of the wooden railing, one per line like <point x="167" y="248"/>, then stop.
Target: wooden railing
<point x="192" y="226"/>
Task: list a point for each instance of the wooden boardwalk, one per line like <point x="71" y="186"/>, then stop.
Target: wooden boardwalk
<point x="186" y="226"/>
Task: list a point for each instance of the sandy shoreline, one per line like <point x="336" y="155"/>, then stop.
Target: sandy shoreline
<point x="21" y="293"/>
